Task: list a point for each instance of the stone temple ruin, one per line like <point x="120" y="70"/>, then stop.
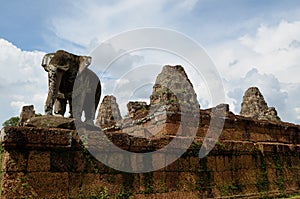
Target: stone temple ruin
<point x="171" y="80"/>
<point x="172" y="88"/>
<point x="256" y="156"/>
<point x="172" y="93"/>
<point x="254" y="106"/>
<point x="109" y="112"/>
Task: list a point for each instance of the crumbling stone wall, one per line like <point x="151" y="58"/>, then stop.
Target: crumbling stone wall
<point x="137" y="109"/>
<point x="252" y="159"/>
<point x="255" y="106"/>
<point x="109" y="112"/>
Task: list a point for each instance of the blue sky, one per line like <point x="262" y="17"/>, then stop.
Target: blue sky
<point x="29" y="24"/>
<point x="252" y="43"/>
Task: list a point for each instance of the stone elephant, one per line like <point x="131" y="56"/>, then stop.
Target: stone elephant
<point x="63" y="69"/>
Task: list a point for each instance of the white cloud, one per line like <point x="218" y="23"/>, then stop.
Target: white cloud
<point x="93" y="21"/>
<point x="186" y="5"/>
<point x="271" y="39"/>
<point x="17" y="104"/>
<point x="23" y="80"/>
<point x="273" y="91"/>
<point x="273" y="49"/>
<point x="18" y="65"/>
<point x="268" y="59"/>
<point x="297" y="112"/>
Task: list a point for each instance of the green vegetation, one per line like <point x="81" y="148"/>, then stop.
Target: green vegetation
<point x="279" y="172"/>
<point x="205" y="178"/>
<point x="262" y="183"/>
<point x="127" y="189"/>
<point x="231" y="189"/>
<point x="220" y="146"/>
<point x="102" y="194"/>
<point x="148" y="183"/>
<point x="193" y="150"/>
<point x="123" y="195"/>
<point x="294" y="195"/>
<point x="13" y="121"/>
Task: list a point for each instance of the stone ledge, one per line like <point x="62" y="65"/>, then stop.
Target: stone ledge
<point x="37" y="138"/>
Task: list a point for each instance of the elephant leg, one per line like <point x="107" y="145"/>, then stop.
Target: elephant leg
<point x="71" y="108"/>
<point x="90" y="104"/>
<point x="60" y="106"/>
<point x="54" y="79"/>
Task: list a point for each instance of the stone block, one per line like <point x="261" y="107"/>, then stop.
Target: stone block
<point x="78" y="161"/>
<point x="172" y="181"/>
<point x="79" y="183"/>
<point x="183" y="164"/>
<point x="246" y="162"/>
<point x="51" y="121"/>
<point x="39" y="161"/>
<point x="15" y="161"/>
<point x="61" y="161"/>
<point x="48" y="184"/>
<point x="75" y="183"/>
<point x="159" y="182"/>
<point x="187" y="181"/>
<point x="172" y="163"/>
<point x="37" y="138"/>
<point x="113" y="182"/>
<point x="245" y="176"/>
<point x="194" y="164"/>
<point x="169" y="195"/>
<point x="221" y="178"/>
<point x="220" y="163"/>
<point x="15" y="185"/>
<point x="92" y="165"/>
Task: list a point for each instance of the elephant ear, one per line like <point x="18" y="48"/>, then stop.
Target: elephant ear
<point x="46" y="60"/>
<point x="84" y="62"/>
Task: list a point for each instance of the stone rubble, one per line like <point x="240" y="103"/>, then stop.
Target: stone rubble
<point x="137" y="109"/>
<point x="27" y="113"/>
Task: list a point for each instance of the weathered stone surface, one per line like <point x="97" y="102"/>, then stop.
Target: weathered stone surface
<point x="109" y="112"/>
<point x="38" y="138"/>
<point x="173" y="94"/>
<point x="255" y="106"/>
<point x="38" y="161"/>
<point x="137" y="110"/>
<point x="26" y="114"/>
<point x="237" y="167"/>
<point x="50" y="121"/>
<point x="173" y="91"/>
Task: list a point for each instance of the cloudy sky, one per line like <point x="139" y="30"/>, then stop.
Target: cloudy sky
<point x="251" y="43"/>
